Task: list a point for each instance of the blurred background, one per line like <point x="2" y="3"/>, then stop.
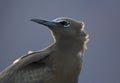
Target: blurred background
<point x="18" y="34"/>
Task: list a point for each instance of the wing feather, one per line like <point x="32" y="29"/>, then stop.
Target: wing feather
<point x="24" y="61"/>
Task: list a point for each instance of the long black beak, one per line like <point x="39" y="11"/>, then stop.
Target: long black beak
<point x="45" y="22"/>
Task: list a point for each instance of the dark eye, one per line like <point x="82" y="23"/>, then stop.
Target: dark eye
<point x="65" y="23"/>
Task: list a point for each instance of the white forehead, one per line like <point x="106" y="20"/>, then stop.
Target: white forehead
<point x="60" y="19"/>
<point x="69" y="19"/>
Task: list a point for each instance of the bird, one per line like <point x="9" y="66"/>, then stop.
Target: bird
<point x="60" y="62"/>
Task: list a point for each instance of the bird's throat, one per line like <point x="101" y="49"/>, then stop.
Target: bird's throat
<point x="69" y="44"/>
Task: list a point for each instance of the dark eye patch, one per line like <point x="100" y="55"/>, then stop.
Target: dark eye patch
<point x="65" y="23"/>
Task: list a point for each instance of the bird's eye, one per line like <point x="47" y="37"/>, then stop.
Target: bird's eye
<point x="65" y="23"/>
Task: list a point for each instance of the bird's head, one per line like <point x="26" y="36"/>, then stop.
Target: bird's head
<point x="64" y="27"/>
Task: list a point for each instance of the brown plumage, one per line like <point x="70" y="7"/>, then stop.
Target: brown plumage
<point x="59" y="63"/>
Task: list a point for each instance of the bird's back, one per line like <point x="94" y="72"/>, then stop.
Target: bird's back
<point x="30" y="68"/>
<point x="53" y="68"/>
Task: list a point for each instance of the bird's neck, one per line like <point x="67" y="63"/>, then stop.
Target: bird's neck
<point x="70" y="44"/>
